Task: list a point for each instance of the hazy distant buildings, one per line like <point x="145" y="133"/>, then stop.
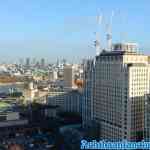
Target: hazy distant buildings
<point x="21" y="61"/>
<point x="27" y="62"/>
<point x="42" y="63"/>
<point x="34" y="61"/>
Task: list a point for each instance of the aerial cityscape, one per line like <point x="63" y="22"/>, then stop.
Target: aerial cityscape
<point x="80" y="80"/>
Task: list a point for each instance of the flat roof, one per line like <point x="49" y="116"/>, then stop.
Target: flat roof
<point x="116" y="53"/>
<point x="4" y="105"/>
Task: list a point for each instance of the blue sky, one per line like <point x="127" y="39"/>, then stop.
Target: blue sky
<point x="65" y="28"/>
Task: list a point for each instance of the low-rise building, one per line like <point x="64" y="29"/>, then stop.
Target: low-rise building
<point x="67" y="100"/>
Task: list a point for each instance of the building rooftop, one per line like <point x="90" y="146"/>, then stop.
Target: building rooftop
<point x="4" y="106"/>
<point x="118" y="52"/>
<point x="122" y="49"/>
<point x="128" y="47"/>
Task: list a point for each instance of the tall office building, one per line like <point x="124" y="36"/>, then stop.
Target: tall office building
<point x="88" y="89"/>
<point x="147" y="119"/>
<point x="121" y="81"/>
<point x="69" y="76"/>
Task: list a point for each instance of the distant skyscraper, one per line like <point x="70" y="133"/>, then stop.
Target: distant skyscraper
<point x="34" y="61"/>
<point x="64" y="61"/>
<point x="21" y="62"/>
<point x="27" y="62"/>
<point x="37" y="64"/>
<point x="121" y="81"/>
<point x="42" y="63"/>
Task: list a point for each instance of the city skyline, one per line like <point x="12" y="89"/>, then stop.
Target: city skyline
<point x="74" y="74"/>
<point x="60" y="29"/>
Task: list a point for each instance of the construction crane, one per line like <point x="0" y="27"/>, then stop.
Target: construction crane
<point x="97" y="44"/>
<point x="97" y="40"/>
<point x="109" y="33"/>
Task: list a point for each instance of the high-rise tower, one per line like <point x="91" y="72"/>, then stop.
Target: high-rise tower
<point x="120" y="85"/>
<point x="122" y="82"/>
